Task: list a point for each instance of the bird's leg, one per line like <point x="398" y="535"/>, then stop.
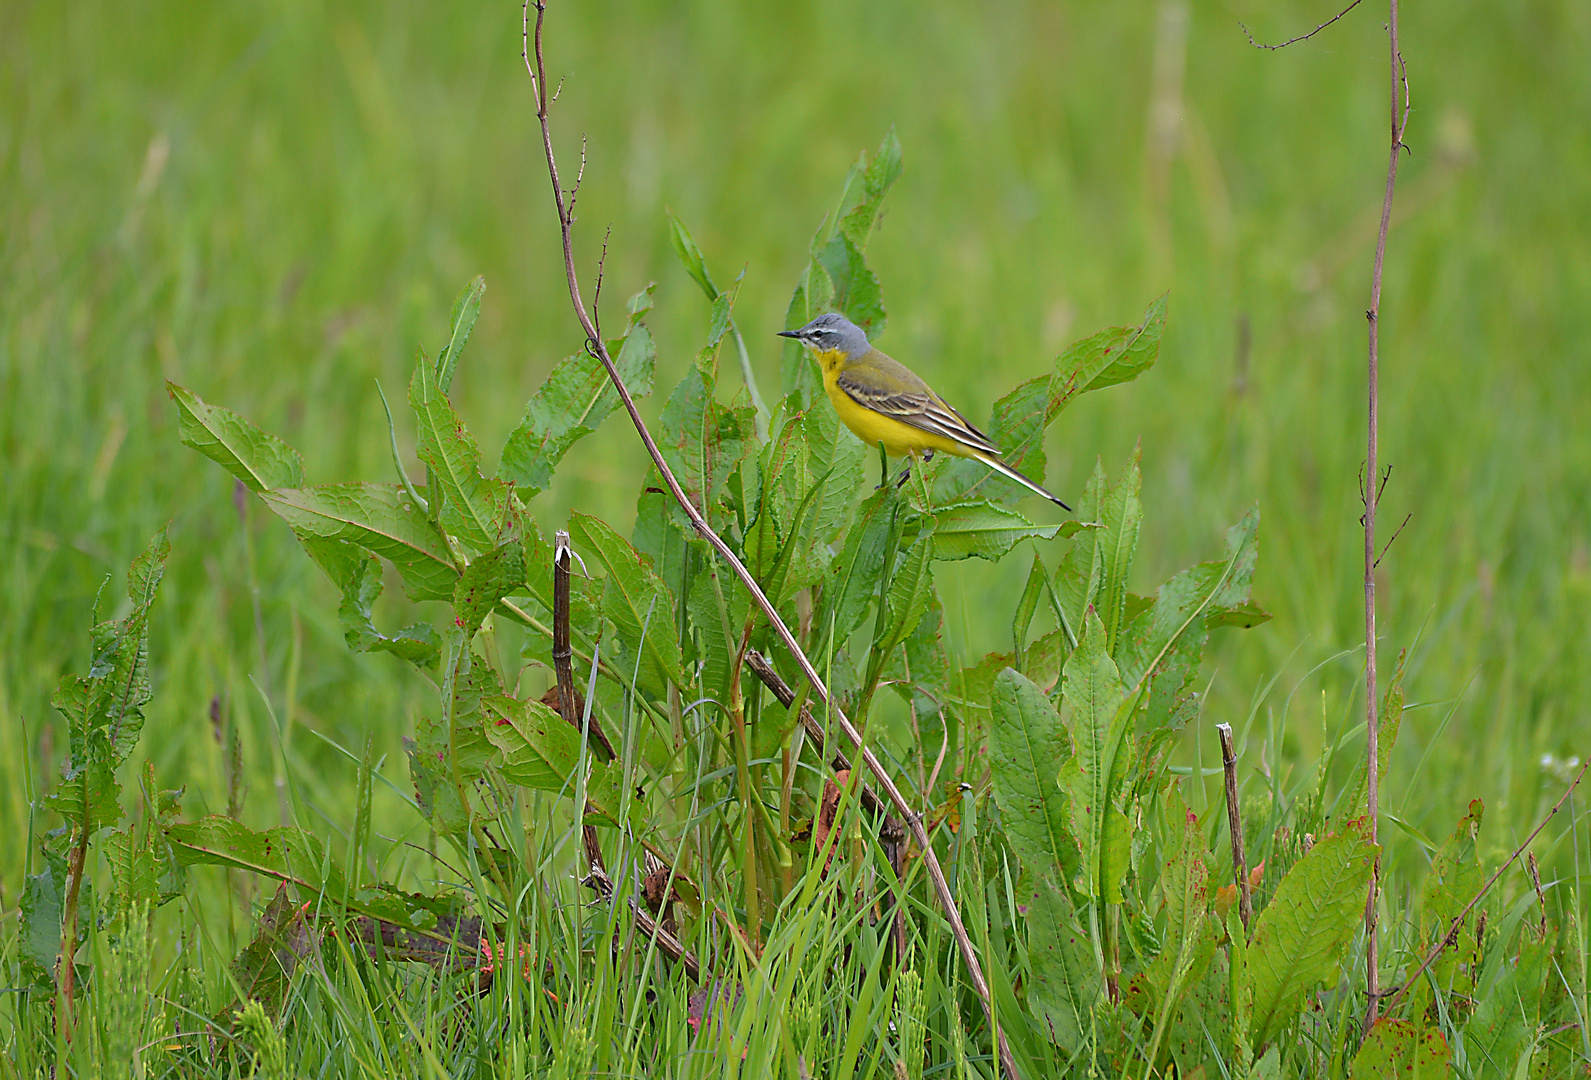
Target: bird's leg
<point x="905" y="475"/>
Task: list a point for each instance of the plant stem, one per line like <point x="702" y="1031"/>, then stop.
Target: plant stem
<point x="1372" y="467"/>
<point x="66" y="976"/>
<point x="1234" y="820"/>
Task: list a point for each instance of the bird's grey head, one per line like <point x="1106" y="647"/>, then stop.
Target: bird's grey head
<point x="831" y="331"/>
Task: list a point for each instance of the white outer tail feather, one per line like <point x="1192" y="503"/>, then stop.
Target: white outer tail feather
<point x="1007" y="471"/>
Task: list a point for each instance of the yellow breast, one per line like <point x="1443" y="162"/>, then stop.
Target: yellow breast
<point x="872" y="427"/>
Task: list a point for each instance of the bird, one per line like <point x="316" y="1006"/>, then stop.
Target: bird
<point x="885" y="403"/>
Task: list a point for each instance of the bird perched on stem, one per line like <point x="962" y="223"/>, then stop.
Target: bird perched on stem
<point x="886" y="404"/>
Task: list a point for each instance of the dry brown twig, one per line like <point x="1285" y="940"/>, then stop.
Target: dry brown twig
<point x="1234" y="819"/>
<point x="1372" y="490"/>
<point x="1300" y="37"/>
<point x="535" y="64"/>
<point x="1372" y="318"/>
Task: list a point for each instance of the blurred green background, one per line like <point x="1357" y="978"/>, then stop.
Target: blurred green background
<point x="274" y="204"/>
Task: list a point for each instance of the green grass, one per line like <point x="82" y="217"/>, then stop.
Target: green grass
<point x="274" y="205"/>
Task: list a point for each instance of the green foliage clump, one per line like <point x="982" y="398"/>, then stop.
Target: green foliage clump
<point x="1088" y="882"/>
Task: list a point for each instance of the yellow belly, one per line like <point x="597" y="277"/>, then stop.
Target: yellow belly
<point x="900" y="439"/>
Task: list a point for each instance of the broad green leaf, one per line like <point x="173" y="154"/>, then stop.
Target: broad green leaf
<point x="253" y="455"/>
<point x="690" y="256"/>
<point x="295" y="856"/>
<point x="857" y="293"/>
<point x="637" y="602"/>
<point x="973" y="686"/>
<point x="134" y="870"/>
<point x="837" y="277"/>
<point x="88" y="796"/>
<point x="703" y="441"/>
<point x="1113" y="356"/>
<point x="1122" y="514"/>
<point x="475" y="509"/>
<point x="1302" y="937"/>
<point x="718" y="324"/>
<point x="814" y="294"/>
<point x="879" y="177"/>
<point x="285" y="853"/>
<point x="1183" y="604"/>
<point x="466" y="309"/>
<point x="1028" y="604"/>
<point x="379" y="518"/>
<point x="918" y="673"/>
<point x="262" y="969"/>
<point x="1019" y="419"/>
<point x="1499" y="1038"/>
<point x="1184" y="880"/>
<point x="1245" y="615"/>
<point x="852" y="579"/>
<point x="778" y="543"/>
<point x="832" y="451"/>
<point x="1206" y="1017"/>
<point x="104" y="710"/>
<point x="1455" y="878"/>
<point x="43" y="908"/>
<point x="1028" y="745"/>
<point x="357" y="573"/>
<point x="542" y="750"/>
<point x="1160" y="650"/>
<point x="984" y="530"/>
<point x="718" y="610"/>
<point x="1094" y="778"/>
<point x="490" y="577"/>
<point x="925" y="650"/>
<point x="911" y="587"/>
<point x="1398" y="1050"/>
<point x="1077" y="579"/>
<point x="1064" y="980"/>
<point x="1043" y="659"/>
<point x="434" y="790"/>
<point x="123" y="660"/>
<point x="457" y="739"/>
<point x="570" y="405"/>
<point x="659" y="534"/>
<point x="1190" y="937"/>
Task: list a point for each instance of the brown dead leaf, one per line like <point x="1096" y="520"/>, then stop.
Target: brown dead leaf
<point x="823" y="824"/>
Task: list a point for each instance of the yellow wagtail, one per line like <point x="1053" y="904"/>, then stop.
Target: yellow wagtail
<point x="885" y="403"/>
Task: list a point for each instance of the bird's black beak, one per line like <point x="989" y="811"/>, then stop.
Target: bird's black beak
<point x="791" y="333"/>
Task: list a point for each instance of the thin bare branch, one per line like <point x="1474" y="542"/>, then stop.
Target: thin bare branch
<point x="930" y="861"/>
<point x="1458" y="920"/>
<point x="596" y="295"/>
<point x="580" y="174"/>
<point x="1395" y="534"/>
<point x="1300" y="37"/>
<point x="1372" y="498"/>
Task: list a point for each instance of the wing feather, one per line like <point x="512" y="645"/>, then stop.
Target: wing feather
<point x="922" y="409"/>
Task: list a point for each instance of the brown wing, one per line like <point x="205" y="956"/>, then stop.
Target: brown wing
<point x="921" y="408"/>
